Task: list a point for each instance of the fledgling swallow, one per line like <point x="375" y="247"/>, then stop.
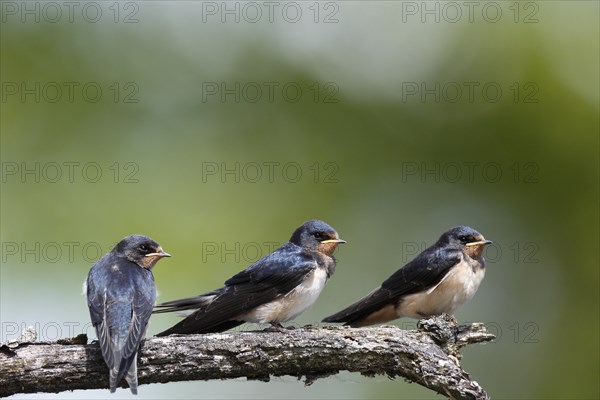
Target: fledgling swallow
<point x="273" y="290"/>
<point x="120" y="296"/>
<point x="439" y="280"/>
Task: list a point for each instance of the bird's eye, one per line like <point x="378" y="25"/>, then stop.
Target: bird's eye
<point x="143" y="247"/>
<point x="463" y="239"/>
<point x="318" y="235"/>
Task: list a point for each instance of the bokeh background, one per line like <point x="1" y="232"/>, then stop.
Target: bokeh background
<point x="218" y="128"/>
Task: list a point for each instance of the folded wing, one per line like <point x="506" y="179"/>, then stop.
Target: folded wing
<point x="260" y="283"/>
<point x="422" y="273"/>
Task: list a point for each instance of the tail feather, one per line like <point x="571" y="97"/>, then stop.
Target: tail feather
<point x="113" y="379"/>
<point x="347" y="316"/>
<point x="187" y="328"/>
<point x="126" y="367"/>
<point x="202" y="319"/>
<point x="131" y="376"/>
<point x="192" y="324"/>
<point x="355" y="312"/>
<point x="190" y="303"/>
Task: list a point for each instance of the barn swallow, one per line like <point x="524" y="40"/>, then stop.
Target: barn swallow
<point x="273" y="290"/>
<point x="439" y="280"/>
<point x="120" y="296"/>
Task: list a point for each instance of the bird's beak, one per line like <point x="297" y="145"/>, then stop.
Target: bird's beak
<point x="160" y="253"/>
<point x="479" y="243"/>
<point x="333" y="241"/>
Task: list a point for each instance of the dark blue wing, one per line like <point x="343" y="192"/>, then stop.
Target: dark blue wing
<point x="262" y="282"/>
<point x="120" y="302"/>
<point x="97" y="283"/>
<point x="425" y="271"/>
<point x="422" y="273"/>
<point x="144" y="297"/>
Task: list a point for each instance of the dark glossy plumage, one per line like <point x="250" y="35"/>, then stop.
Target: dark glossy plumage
<point x="120" y="294"/>
<point x="418" y="276"/>
<point x="247" y="296"/>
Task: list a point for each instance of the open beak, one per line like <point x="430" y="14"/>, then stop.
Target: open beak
<point x="333" y="241"/>
<point x="160" y="253"/>
<point x="479" y="243"/>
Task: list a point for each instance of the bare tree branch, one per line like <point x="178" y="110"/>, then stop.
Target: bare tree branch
<point x="428" y="356"/>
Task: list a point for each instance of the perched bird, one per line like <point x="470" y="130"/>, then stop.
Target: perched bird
<point x="273" y="290"/>
<point x="120" y="296"/>
<point x="439" y="280"/>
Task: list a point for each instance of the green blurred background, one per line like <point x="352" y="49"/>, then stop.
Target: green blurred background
<point x="385" y="141"/>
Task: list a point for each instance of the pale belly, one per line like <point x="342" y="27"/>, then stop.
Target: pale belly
<point x="457" y="287"/>
<point x="292" y="304"/>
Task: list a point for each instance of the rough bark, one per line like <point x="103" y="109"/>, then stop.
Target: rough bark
<point x="428" y="356"/>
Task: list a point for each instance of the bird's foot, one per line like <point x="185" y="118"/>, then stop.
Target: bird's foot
<point x="451" y="318"/>
<point x="279" y="328"/>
